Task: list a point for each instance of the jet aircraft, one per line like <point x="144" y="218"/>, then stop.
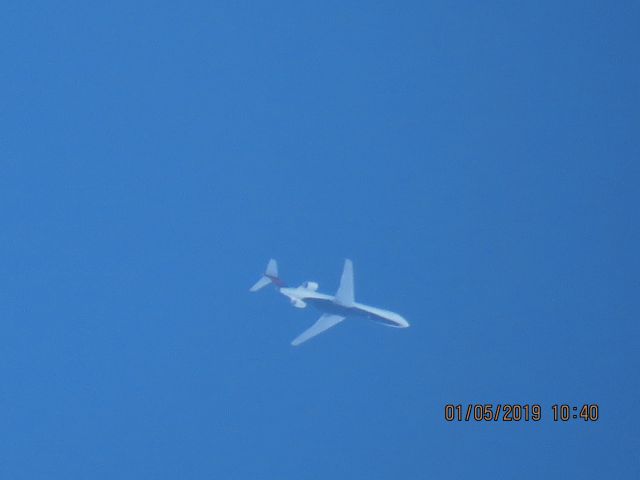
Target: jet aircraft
<point x="335" y="308"/>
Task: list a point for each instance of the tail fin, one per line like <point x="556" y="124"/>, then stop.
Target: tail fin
<point x="272" y="269"/>
<point x="270" y="276"/>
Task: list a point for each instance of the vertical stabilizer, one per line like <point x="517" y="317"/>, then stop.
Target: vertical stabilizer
<point x="272" y="269"/>
<point x="270" y="276"/>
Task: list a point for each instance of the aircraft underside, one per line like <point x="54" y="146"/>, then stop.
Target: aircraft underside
<point x="327" y="306"/>
<point x="334" y="308"/>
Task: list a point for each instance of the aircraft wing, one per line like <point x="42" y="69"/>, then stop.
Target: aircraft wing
<point x="325" y="322"/>
<point x="345" y="294"/>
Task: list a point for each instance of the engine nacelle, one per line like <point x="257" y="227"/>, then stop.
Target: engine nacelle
<point x="313" y="286"/>
<point x="296" y="302"/>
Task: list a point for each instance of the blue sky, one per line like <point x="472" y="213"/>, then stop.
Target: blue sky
<point x="478" y="161"/>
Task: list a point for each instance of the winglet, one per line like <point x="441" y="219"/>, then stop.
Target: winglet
<point x="345" y="294"/>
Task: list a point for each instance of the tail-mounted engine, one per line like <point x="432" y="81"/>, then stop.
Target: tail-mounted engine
<point x="313" y="286"/>
<point x="296" y="302"/>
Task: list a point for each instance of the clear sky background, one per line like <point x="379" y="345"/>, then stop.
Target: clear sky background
<point x="477" y="160"/>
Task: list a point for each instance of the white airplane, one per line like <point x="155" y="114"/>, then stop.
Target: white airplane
<point x="335" y="308"/>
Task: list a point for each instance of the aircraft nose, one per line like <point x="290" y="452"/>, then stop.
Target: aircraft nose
<point x="403" y="322"/>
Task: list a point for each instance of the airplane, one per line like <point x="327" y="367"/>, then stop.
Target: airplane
<point x="335" y="308"/>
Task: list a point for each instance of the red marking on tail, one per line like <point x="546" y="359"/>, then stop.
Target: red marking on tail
<point x="276" y="280"/>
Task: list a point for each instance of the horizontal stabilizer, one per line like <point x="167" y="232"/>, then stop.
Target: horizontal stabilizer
<point x="263" y="282"/>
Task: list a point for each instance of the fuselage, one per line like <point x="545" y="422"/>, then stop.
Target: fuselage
<point x="328" y="304"/>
